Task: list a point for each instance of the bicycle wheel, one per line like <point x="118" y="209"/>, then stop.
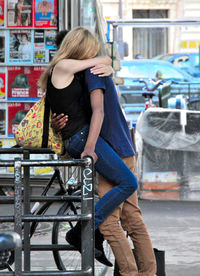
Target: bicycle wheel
<point x="71" y="260"/>
<point x="65" y="260"/>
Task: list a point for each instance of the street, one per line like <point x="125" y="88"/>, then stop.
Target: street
<point x="173" y="226"/>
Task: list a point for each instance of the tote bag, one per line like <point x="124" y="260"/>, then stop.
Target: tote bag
<point x="35" y="129"/>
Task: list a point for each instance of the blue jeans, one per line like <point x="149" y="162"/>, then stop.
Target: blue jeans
<point x="111" y="167"/>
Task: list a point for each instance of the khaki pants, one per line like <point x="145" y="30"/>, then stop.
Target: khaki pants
<point x="132" y="222"/>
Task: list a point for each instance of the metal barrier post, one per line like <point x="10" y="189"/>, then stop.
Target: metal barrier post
<point x="18" y="213"/>
<point x="86" y="217"/>
<point x="87" y="207"/>
<point x="27" y="259"/>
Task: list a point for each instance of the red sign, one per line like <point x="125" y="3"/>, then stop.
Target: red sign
<point x="16" y="113"/>
<point x="2" y="85"/>
<point x="2" y="12"/>
<point x="45" y="13"/>
<point x="22" y="83"/>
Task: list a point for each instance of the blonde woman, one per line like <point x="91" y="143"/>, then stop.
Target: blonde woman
<point x="64" y="87"/>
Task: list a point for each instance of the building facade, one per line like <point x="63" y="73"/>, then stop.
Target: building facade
<point x="148" y="41"/>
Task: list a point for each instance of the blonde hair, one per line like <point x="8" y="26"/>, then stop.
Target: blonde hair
<point x="79" y="44"/>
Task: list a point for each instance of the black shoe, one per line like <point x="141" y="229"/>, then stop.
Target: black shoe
<point x="73" y="237"/>
<point x="99" y="239"/>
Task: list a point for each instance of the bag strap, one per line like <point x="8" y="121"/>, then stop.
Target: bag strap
<point x="45" y="135"/>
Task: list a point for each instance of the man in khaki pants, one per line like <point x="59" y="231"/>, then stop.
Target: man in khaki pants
<point x="116" y="132"/>
<point x="132" y="222"/>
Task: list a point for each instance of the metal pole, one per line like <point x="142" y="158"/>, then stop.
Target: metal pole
<point x="27" y="192"/>
<point x="61" y="15"/>
<point x="87" y="207"/>
<point x="75" y="13"/>
<point x="120" y="34"/>
<point x="115" y="33"/>
<point x="18" y="213"/>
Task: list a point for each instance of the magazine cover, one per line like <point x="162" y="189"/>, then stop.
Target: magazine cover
<point x="2" y="119"/>
<point x="2" y="13"/>
<point x="2" y="46"/>
<point x="45" y="13"/>
<point x="44" y="43"/>
<point x="2" y="83"/>
<point x="19" y="13"/>
<point x="20" y="46"/>
<point x="16" y="113"/>
<point x="22" y="83"/>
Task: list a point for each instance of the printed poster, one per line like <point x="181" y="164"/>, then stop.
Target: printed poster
<point x="2" y="83"/>
<point x="22" y="83"/>
<point x="45" y="13"/>
<point x="20" y="46"/>
<point x="2" y="46"/>
<point x="16" y="113"/>
<point x="2" y="13"/>
<point x="2" y="119"/>
<point x="19" y="13"/>
<point x="44" y="46"/>
<point x="7" y="143"/>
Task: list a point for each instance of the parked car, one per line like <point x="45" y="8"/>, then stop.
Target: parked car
<point x="147" y="69"/>
<point x="133" y="71"/>
<point x="189" y="62"/>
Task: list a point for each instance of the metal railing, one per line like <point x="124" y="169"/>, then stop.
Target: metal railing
<point x="86" y="216"/>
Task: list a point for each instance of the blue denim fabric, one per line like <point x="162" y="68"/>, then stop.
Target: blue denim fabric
<point x="111" y="167"/>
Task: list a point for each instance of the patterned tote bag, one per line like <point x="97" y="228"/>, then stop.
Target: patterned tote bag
<point x="35" y="129"/>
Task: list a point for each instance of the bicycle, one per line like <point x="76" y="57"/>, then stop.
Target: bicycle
<point x="149" y="92"/>
<point x="71" y="187"/>
<point x="166" y="99"/>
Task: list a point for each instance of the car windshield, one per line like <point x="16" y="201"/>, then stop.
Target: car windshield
<point x="146" y="70"/>
<point x="163" y="57"/>
<point x="131" y="70"/>
<point x="167" y="72"/>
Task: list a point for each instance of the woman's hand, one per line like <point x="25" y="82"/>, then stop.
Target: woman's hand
<point x="89" y="151"/>
<point x="102" y="70"/>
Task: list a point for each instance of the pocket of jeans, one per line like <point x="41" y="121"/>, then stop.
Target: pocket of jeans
<point x="77" y="142"/>
<point x="76" y="145"/>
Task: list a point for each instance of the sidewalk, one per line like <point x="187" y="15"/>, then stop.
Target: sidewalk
<point x="173" y="227"/>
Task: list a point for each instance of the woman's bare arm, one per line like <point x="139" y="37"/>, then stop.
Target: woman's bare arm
<point x="65" y="69"/>
<point x="73" y="66"/>
<point x="96" y="99"/>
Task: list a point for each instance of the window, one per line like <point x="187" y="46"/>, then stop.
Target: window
<point x="150" y="42"/>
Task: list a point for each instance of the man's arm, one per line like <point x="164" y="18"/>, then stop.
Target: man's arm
<point x="96" y="100"/>
<point x="58" y="122"/>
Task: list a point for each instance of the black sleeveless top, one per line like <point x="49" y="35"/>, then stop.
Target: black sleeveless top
<point x="67" y="100"/>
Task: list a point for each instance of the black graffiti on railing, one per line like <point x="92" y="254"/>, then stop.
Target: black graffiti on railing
<point x="87" y="184"/>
